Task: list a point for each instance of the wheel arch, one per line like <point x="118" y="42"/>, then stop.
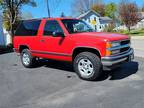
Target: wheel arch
<point x="78" y="50"/>
<point x="22" y="47"/>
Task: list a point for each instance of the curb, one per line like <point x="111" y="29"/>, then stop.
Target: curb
<point x="139" y="57"/>
<point x="140" y="49"/>
<point x="137" y="37"/>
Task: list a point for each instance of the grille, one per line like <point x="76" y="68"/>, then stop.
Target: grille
<point x="124" y="49"/>
<point x="125" y="42"/>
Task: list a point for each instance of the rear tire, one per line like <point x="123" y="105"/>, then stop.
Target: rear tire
<point x="27" y="59"/>
<point x="88" y="66"/>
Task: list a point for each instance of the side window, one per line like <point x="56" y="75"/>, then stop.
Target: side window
<point x="28" y="28"/>
<point x="52" y="26"/>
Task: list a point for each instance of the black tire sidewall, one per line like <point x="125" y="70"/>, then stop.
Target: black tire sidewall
<point x="95" y="60"/>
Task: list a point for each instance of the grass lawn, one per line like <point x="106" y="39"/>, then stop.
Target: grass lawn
<point x="133" y="32"/>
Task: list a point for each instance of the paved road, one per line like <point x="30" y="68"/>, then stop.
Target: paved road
<point x="55" y="85"/>
<point x="138" y="45"/>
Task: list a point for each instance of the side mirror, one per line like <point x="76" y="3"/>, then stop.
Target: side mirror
<point x="58" y="34"/>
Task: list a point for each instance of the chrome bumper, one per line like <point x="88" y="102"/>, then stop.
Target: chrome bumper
<point x="113" y="60"/>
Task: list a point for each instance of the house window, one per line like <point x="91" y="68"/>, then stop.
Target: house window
<point x="100" y="27"/>
<point x="95" y="27"/>
<point x="94" y="18"/>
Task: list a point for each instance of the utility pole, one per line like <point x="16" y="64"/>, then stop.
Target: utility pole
<point x="48" y="9"/>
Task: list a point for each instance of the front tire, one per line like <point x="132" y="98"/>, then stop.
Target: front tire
<point x="88" y="66"/>
<point x="27" y="59"/>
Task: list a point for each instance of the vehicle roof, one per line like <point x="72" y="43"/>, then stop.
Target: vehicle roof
<point x="49" y="19"/>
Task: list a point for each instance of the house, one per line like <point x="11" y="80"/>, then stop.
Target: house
<point x="95" y="20"/>
<point x="5" y="37"/>
<point x="2" y="38"/>
<point x="139" y="25"/>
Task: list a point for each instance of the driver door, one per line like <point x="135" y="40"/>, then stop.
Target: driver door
<point x="54" y="45"/>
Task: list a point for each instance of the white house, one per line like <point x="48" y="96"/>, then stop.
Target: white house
<point x="2" y="38"/>
<point x="95" y="20"/>
<point x="139" y="25"/>
<point x="5" y="38"/>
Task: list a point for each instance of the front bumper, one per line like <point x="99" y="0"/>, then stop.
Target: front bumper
<point x="114" y="60"/>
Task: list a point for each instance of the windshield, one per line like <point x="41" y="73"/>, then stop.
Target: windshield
<point x="76" y="26"/>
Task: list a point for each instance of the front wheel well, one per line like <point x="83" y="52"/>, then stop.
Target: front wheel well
<point x="80" y="50"/>
<point x="22" y="47"/>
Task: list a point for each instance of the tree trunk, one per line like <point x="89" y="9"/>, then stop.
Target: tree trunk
<point x="129" y="29"/>
<point x="11" y="33"/>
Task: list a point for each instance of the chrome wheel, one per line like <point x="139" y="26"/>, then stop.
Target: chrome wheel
<point x="85" y="67"/>
<point x="26" y="59"/>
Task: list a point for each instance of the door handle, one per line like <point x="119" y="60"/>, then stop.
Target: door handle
<point x="42" y="40"/>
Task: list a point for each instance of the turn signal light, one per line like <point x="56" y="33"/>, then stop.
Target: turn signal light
<point x="108" y="52"/>
<point x="108" y="45"/>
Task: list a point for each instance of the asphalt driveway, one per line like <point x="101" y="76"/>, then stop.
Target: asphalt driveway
<point x="55" y="85"/>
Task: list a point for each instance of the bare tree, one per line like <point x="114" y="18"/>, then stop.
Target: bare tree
<point x="11" y="11"/>
<point x="82" y="6"/>
<point x="129" y="14"/>
<point x="99" y="8"/>
<point x="142" y="9"/>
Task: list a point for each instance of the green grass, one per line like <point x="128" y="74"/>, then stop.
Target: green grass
<point x="133" y="32"/>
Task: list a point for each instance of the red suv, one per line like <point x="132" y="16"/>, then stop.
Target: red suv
<point x="71" y="40"/>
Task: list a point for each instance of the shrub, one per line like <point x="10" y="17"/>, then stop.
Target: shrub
<point x="109" y="28"/>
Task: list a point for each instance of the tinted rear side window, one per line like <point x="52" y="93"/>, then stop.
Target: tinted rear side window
<point x="28" y="28"/>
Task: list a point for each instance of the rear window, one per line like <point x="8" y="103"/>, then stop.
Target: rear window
<point x="28" y="28"/>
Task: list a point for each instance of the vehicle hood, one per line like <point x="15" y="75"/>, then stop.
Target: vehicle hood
<point x="101" y="35"/>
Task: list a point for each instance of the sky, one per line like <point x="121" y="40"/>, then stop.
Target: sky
<point x="59" y="6"/>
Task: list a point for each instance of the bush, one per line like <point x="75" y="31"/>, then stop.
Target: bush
<point x="10" y="46"/>
<point x="109" y="28"/>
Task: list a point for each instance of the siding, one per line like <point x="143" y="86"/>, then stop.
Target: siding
<point x="2" y="38"/>
<point x="101" y="22"/>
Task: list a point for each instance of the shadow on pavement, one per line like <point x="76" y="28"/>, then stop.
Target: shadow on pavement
<point x="5" y="50"/>
<point x="56" y="65"/>
<point x="122" y="72"/>
<point x="125" y="71"/>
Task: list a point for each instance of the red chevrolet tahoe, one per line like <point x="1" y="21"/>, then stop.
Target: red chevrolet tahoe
<point x="71" y="40"/>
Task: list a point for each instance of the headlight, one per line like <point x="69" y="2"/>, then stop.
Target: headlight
<point x="112" y="44"/>
<point x="115" y="44"/>
<point x="109" y="53"/>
